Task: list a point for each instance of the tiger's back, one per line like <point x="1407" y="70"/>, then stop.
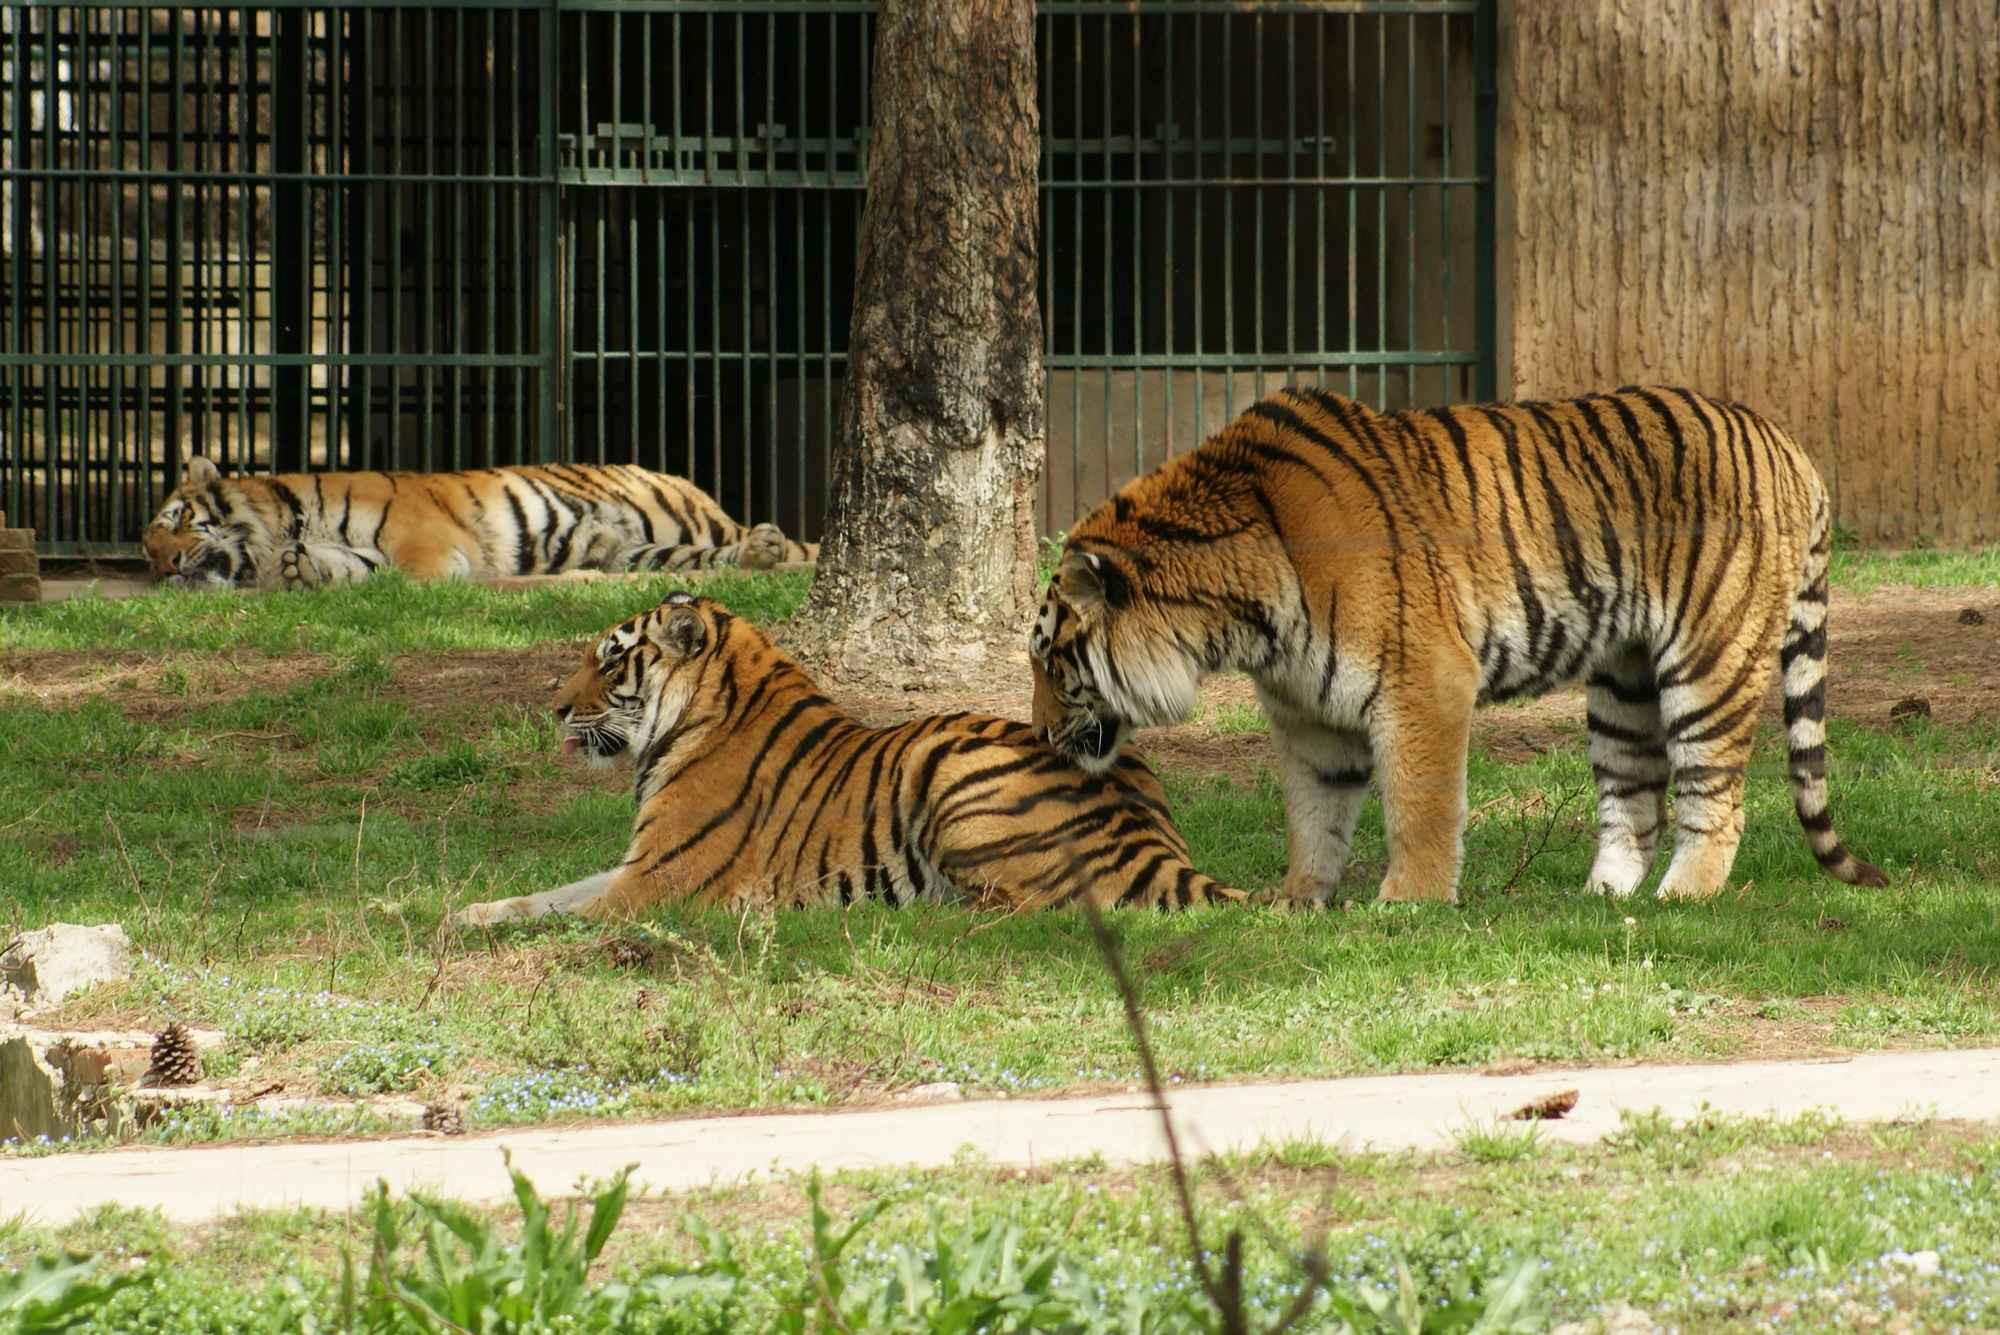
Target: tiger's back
<point x="753" y="787"/>
<point x="1380" y="574"/>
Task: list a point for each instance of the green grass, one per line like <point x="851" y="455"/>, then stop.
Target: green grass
<point x="1861" y="569"/>
<point x="387" y="615"/>
<point x="285" y="850"/>
<point x="1717" y="1224"/>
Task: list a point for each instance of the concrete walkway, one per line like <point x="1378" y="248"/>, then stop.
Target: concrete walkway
<point x="1388" y="1112"/>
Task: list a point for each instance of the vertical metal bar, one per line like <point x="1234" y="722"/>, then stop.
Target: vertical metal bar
<point x="14" y="474"/>
<point x="1138" y="196"/>
<point x="687" y="268"/>
<point x="426" y="339"/>
<point x="714" y="253"/>
<point x="1319" y="196"/>
<point x="1353" y="193"/>
<point x="393" y="242"/>
<point x="1076" y="282"/>
<point x="770" y="22"/>
<point x="1381" y="207"/>
<point x="291" y="257"/>
<point x="549" y="34"/>
<point x="488" y="266"/>
<point x="1485" y="318"/>
<point x="743" y="297"/>
<point x="143" y="318"/>
<point x="1257" y="205"/>
<point x="1106" y="269"/>
<point x="52" y="231"/>
<point x="633" y="361"/>
<point x="601" y="204"/>
<point x="1445" y="193"/>
<point x="361" y="320"/>
<point x="1170" y="200"/>
<point x="802" y="200"/>
<point x="1045" y="201"/>
<point x="1200" y="197"/>
<point x="832" y="390"/>
<point x="244" y="192"/>
<point x="1410" y="337"/>
<point x="1228" y="219"/>
<point x="1291" y="196"/>
<point x="175" y="66"/>
<point x="458" y="194"/>
<point x="123" y="470"/>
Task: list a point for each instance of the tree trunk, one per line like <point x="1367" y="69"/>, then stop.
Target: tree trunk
<point x="929" y="558"/>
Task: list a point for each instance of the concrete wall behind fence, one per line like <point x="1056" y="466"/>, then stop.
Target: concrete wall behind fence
<point x="1792" y="203"/>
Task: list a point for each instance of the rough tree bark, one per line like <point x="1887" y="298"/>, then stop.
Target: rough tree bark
<point x="928" y="562"/>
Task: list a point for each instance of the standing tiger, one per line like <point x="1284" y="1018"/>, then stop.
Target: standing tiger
<point x="1377" y="576"/>
<point x="305" y="530"/>
<point x="753" y="788"/>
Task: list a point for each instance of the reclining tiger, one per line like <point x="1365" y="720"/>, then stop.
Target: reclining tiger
<point x="309" y="530"/>
<point x="1377" y="576"/>
<point x="753" y="788"/>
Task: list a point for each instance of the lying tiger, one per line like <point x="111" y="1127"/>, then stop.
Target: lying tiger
<point x="1377" y="576"/>
<point x="754" y="788"/>
<point x="308" y="530"/>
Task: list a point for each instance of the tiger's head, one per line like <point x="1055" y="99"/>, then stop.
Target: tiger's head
<point x="1104" y="663"/>
<point x="643" y="681"/>
<point x="1159" y="586"/>
<point x="197" y="538"/>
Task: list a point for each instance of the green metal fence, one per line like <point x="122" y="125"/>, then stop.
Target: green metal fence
<point x="294" y="235"/>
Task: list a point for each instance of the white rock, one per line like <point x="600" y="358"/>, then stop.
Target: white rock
<point x="1922" y="1264"/>
<point x="938" y="1091"/>
<point x="63" y="958"/>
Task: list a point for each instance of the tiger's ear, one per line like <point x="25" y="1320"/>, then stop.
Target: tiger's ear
<point x="681" y="632"/>
<point x="200" y="470"/>
<point x="1088" y="579"/>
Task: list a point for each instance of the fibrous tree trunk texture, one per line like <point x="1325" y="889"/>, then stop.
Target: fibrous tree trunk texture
<point x="928" y="563"/>
<point x="1792" y="203"/>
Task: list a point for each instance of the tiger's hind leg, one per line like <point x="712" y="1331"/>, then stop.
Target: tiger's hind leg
<point x="1708" y="722"/>
<point x="1628" y="759"/>
<point x="1324" y="774"/>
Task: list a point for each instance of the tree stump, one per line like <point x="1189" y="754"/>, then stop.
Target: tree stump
<point x="20" y="568"/>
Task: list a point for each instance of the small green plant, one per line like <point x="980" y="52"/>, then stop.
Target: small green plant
<point x="48" y="1294"/>
<point x="1500" y="1142"/>
<point x="378" y="1068"/>
<point x="1509" y="1304"/>
<point x="468" y="1280"/>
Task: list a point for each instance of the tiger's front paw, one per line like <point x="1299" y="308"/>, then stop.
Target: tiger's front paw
<point x="295" y="568"/>
<point x="763" y="547"/>
<point x="1418" y="890"/>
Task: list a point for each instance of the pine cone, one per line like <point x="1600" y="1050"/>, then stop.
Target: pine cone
<point x="445" y="1118"/>
<point x="175" y="1058"/>
<point x="629" y="952"/>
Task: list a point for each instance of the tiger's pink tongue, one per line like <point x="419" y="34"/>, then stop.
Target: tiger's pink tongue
<point x="569" y="745"/>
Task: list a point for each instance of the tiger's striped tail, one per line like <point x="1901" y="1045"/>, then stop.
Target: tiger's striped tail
<point x="1802" y="660"/>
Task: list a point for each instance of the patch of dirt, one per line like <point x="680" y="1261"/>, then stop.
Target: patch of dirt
<point x="1887" y="645"/>
<point x="149" y="687"/>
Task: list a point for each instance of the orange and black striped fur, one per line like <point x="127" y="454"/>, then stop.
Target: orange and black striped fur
<point x="1378" y="576"/>
<point x="304" y="530"/>
<point x="754" y="788"/>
